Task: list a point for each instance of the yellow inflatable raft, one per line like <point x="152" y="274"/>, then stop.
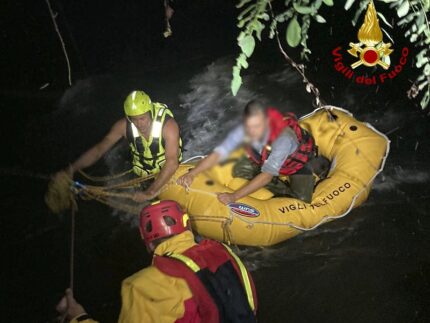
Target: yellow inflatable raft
<point x="357" y="153"/>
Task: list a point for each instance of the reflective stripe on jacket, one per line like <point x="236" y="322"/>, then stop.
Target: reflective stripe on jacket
<point x="149" y="155"/>
<point x="220" y="283"/>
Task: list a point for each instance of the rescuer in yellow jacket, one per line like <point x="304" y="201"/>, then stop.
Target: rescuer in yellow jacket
<point x="188" y="282"/>
<point x="153" y="136"/>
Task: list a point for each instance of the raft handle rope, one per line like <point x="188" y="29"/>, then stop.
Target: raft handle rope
<point x="193" y="158"/>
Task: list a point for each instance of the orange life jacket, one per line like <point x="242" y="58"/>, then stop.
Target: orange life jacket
<point x="306" y="148"/>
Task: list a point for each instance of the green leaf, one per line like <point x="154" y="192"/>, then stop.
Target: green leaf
<point x="242" y="3"/>
<point x="403" y="9"/>
<point x="320" y="19"/>
<point x="236" y="82"/>
<point x="422" y="28"/>
<point x="421" y="58"/>
<point x="348" y="4"/>
<point x="247" y="44"/>
<point x="258" y="29"/>
<point x="243" y="21"/>
<point x="303" y="10"/>
<point x="427" y="70"/>
<point x="406" y="20"/>
<point x="423" y="85"/>
<point x="361" y="8"/>
<point x="425" y="100"/>
<point x="293" y="33"/>
<point x="265" y="17"/>
<point x="245" y="12"/>
<point x="328" y="2"/>
<point x="241" y="61"/>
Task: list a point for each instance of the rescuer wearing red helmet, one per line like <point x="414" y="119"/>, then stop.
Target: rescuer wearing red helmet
<point x="187" y="282"/>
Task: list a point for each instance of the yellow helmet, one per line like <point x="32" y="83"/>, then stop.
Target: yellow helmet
<point x="137" y="103"/>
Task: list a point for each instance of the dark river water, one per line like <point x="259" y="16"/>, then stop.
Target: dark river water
<point x="371" y="266"/>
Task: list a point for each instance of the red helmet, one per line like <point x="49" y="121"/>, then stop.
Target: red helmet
<point x="161" y="219"/>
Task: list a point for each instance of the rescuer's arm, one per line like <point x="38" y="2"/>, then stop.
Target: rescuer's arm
<point x="255" y="184"/>
<point x="92" y="155"/>
<point x="230" y="143"/>
<point x="206" y="163"/>
<point x="171" y="139"/>
<point x="72" y="310"/>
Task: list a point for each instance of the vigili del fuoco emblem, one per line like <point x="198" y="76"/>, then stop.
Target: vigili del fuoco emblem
<point x="371" y="50"/>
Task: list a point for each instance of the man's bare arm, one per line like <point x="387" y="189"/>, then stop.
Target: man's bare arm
<point x="205" y="164"/>
<point x="92" y="155"/>
<point x="208" y="162"/>
<point x="254" y="185"/>
<point x="171" y="139"/>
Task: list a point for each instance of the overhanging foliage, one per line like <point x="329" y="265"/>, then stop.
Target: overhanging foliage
<point x="298" y="15"/>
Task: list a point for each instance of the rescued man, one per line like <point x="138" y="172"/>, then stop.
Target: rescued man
<point x="153" y="137"/>
<point x="276" y="146"/>
<point x="188" y="281"/>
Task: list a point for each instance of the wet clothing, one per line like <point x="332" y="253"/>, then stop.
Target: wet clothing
<point x="286" y="150"/>
<point x="300" y="185"/>
<point x="152" y="296"/>
<point x="282" y="147"/>
<point x="278" y="126"/>
<point x="148" y="155"/>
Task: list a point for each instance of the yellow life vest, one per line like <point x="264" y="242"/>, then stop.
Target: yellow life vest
<point x="149" y="155"/>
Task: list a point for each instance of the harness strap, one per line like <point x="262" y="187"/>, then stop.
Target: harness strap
<point x="244" y="273"/>
<point x="245" y="277"/>
<point x="186" y="260"/>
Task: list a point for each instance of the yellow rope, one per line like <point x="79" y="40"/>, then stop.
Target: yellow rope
<point x="104" y="178"/>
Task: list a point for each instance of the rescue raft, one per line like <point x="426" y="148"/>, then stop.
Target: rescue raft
<point x="357" y="152"/>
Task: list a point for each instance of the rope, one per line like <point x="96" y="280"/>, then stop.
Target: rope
<point x="73" y="210"/>
<point x="192" y="158"/>
<point x="72" y="247"/>
<point x="104" y="178"/>
<point x="195" y="190"/>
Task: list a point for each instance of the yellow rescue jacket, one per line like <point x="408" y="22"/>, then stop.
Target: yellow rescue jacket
<point x="148" y="156"/>
<point x="151" y="296"/>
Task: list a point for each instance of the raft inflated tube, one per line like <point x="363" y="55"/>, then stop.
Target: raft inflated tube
<point x="357" y="152"/>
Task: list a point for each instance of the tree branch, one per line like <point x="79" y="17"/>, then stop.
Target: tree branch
<point x="63" y="45"/>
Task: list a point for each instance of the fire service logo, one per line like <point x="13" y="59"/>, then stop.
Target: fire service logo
<point x="375" y="51"/>
<point x="370" y="51"/>
<point x="244" y="210"/>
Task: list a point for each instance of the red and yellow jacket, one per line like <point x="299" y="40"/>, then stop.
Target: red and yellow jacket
<point x="154" y="296"/>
